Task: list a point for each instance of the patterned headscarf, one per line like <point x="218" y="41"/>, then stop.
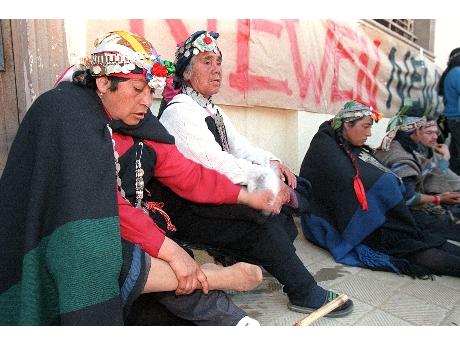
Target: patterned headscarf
<point x="405" y="123"/>
<point x="353" y="110"/>
<point x="200" y="41"/>
<point x="127" y="55"/>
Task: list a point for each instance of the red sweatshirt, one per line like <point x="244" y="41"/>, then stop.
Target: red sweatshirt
<point x="184" y="177"/>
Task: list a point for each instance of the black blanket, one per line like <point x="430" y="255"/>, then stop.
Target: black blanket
<point x="60" y="246"/>
<point x="379" y="238"/>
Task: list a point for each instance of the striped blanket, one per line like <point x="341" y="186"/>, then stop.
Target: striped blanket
<point x="60" y="246"/>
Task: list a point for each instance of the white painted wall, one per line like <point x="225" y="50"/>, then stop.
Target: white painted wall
<point x="288" y="133"/>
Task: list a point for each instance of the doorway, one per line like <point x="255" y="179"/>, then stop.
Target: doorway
<point x="9" y="112"/>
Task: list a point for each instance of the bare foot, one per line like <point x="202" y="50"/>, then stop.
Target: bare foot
<point x="251" y="276"/>
<point x="240" y="276"/>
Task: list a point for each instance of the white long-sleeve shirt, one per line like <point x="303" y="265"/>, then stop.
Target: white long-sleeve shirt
<point x="185" y="120"/>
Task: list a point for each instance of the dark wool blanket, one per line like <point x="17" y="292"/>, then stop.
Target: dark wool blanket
<point x="60" y="246"/>
<point x="380" y="238"/>
<point x="429" y="179"/>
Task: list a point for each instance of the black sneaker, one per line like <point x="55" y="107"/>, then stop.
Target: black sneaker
<point x="341" y="311"/>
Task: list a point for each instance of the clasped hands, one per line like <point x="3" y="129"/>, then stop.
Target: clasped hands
<point x="266" y="201"/>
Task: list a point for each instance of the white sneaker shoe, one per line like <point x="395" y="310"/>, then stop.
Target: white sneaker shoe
<point x="248" y="321"/>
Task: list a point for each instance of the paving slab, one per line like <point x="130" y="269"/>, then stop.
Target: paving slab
<point x="414" y="310"/>
<point x="432" y="292"/>
<point x="371" y="291"/>
<point x="377" y="317"/>
<point x="452" y="318"/>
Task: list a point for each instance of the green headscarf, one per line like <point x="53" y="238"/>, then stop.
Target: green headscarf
<point x="353" y="110"/>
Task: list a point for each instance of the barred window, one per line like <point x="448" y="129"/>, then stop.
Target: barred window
<point x="403" y="27"/>
<point x="418" y="32"/>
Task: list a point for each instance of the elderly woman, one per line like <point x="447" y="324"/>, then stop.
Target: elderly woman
<point x="358" y="211"/>
<point x="206" y="135"/>
<point x="77" y="242"/>
<point x="411" y="151"/>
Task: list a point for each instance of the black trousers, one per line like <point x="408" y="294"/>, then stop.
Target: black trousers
<point x="440" y="225"/>
<point x="444" y="260"/>
<point x="168" y="309"/>
<point x="454" y="147"/>
<point x="268" y="244"/>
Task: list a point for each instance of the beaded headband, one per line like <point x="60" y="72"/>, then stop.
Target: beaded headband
<point x="205" y="42"/>
<point x="200" y="41"/>
<point x="127" y="55"/>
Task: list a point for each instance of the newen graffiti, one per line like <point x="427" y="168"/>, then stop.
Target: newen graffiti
<point x="311" y="65"/>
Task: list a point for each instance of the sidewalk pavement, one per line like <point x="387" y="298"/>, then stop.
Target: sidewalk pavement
<point x="380" y="298"/>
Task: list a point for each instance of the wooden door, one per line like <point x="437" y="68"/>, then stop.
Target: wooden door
<point x="34" y="53"/>
<point x="9" y="113"/>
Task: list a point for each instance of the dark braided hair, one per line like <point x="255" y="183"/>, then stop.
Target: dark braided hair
<point x="454" y="61"/>
<point x="345" y="146"/>
<point x="348" y="149"/>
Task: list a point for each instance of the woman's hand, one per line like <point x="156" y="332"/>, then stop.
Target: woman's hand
<point x="286" y="174"/>
<point x="283" y="196"/>
<point x="189" y="275"/>
<point x="263" y="200"/>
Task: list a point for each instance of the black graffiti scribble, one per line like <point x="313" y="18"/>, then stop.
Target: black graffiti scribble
<point x="394" y="70"/>
<point x="412" y="81"/>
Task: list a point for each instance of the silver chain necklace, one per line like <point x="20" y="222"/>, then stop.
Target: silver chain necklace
<point x="117" y="165"/>
<point x="149" y="206"/>
<point x="139" y="178"/>
<point x="139" y="173"/>
<point x="212" y="110"/>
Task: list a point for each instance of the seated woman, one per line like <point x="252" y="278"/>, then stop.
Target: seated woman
<point x="78" y="245"/>
<point x="206" y="135"/>
<point x="358" y="211"/>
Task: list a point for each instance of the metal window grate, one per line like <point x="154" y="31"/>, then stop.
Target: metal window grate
<point x="403" y="27"/>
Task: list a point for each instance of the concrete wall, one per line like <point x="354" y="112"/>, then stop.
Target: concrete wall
<point x="286" y="133"/>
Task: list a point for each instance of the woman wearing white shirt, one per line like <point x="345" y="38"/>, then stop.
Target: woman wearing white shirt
<point x="204" y="134"/>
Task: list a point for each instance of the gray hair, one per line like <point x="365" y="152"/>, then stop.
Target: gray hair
<point x="189" y="68"/>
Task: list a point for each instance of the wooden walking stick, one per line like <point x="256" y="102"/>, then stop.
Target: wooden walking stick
<point x="325" y="309"/>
